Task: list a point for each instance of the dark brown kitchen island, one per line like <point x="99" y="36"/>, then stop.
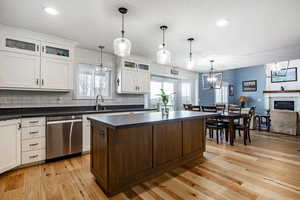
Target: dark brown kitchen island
<point x="129" y="149"/>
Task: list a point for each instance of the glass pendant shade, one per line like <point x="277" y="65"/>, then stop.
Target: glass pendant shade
<point x="190" y="64"/>
<point x="163" y="56"/>
<point x="276" y="67"/>
<point x="122" y="47"/>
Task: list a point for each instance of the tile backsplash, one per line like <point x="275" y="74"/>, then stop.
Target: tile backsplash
<point x="37" y="98"/>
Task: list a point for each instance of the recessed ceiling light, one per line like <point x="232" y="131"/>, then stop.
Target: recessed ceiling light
<point x="222" y="23"/>
<point x="51" y="11"/>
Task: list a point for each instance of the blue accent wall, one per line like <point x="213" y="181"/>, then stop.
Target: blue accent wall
<point x="236" y="77"/>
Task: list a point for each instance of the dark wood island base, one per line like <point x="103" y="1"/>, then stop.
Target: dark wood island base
<point x="124" y="156"/>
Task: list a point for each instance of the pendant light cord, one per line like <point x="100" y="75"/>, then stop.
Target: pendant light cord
<point x="190" y="50"/>
<point x="164" y="38"/>
<point x="122" y="26"/>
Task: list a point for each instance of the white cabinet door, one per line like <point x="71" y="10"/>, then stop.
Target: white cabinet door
<point x="19" y="70"/>
<point x="143" y="82"/>
<point x="55" y="74"/>
<point x="10" y="145"/>
<point x="16" y="44"/>
<point x="129" y="81"/>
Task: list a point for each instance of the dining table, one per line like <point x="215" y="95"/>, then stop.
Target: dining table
<point x="231" y="117"/>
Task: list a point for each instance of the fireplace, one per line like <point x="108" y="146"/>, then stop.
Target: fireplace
<point x="284" y="105"/>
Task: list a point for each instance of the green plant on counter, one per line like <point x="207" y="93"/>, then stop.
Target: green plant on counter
<point x="165" y="98"/>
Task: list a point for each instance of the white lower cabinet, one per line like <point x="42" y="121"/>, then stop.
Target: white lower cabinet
<point x="33" y="140"/>
<point x="10" y="145"/>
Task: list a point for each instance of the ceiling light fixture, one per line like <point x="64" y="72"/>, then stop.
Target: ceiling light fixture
<point x="190" y="63"/>
<point x="212" y="80"/>
<point x="51" y="11"/>
<point x="122" y="46"/>
<point x="102" y="69"/>
<point x="280" y="70"/>
<point x="222" y="23"/>
<point x="163" y="55"/>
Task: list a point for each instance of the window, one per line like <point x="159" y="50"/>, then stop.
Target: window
<point x="168" y="85"/>
<point x="186" y="93"/>
<point x="222" y="94"/>
<point x="92" y="82"/>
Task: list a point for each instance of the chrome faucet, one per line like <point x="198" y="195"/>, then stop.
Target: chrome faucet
<point x="97" y="101"/>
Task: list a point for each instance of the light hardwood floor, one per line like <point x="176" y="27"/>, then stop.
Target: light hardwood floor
<point x="269" y="168"/>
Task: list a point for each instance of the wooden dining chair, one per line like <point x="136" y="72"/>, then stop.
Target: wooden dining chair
<point x="209" y="108"/>
<point x="245" y="127"/>
<point x="196" y="108"/>
<point x="214" y="125"/>
<point x="187" y="106"/>
<point x="221" y="107"/>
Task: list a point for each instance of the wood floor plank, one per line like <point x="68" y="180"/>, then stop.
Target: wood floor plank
<point x="267" y="169"/>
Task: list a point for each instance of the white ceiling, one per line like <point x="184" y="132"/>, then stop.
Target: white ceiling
<point x="260" y="31"/>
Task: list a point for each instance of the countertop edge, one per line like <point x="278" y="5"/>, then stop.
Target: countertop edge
<point x="150" y="122"/>
<point x="17" y="116"/>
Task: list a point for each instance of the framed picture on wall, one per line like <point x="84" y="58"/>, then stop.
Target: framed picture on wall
<point x="284" y="75"/>
<point x="250" y="86"/>
<point x="231" y="90"/>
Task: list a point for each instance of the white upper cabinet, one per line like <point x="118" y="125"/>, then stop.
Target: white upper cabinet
<point x="133" y="77"/>
<point x="10" y="145"/>
<point x="55" y="74"/>
<point x="34" y="64"/>
<point x="19" y="70"/>
<point x="12" y="43"/>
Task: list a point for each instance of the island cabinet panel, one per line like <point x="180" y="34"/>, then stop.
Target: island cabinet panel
<point x="130" y="155"/>
<point x="99" y="154"/>
<point x="193" y="131"/>
<point x="167" y="142"/>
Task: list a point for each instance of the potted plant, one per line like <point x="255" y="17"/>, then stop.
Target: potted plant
<point x="268" y="111"/>
<point x="165" y="98"/>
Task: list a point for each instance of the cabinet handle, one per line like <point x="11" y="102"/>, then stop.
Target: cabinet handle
<point x="34" y="144"/>
<point x="33" y="122"/>
<point x="33" y="132"/>
<point x="35" y="156"/>
<point x="37" y="81"/>
<point x="19" y="125"/>
<point x="38" y="48"/>
<point x="43" y="49"/>
<point x="43" y="82"/>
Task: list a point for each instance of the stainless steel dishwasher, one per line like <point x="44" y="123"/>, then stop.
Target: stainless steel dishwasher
<point x="63" y="136"/>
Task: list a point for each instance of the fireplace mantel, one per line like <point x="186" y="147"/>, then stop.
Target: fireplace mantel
<point x="281" y="91"/>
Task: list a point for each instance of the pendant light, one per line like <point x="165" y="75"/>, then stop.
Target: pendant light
<point x="278" y="70"/>
<point x="163" y="55"/>
<point x="122" y="46"/>
<point x="190" y="62"/>
<point x="212" y="80"/>
<point x="102" y="69"/>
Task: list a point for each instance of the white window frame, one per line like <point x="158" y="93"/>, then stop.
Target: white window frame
<point x="224" y="94"/>
<point x="76" y="83"/>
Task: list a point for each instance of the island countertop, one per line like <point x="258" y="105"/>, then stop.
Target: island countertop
<point x="122" y="121"/>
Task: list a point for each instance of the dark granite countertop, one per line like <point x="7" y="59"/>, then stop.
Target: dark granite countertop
<point x="128" y="120"/>
<point x="7" y="114"/>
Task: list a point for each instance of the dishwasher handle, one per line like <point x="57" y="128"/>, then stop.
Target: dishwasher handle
<point x="64" y="121"/>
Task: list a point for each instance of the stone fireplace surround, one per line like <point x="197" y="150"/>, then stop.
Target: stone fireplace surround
<point x="284" y="121"/>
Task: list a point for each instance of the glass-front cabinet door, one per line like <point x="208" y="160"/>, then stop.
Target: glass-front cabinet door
<point x="56" y="51"/>
<point x="20" y="45"/>
<point x="143" y="67"/>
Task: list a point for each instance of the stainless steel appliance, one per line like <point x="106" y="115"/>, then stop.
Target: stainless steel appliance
<point x="63" y="136"/>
